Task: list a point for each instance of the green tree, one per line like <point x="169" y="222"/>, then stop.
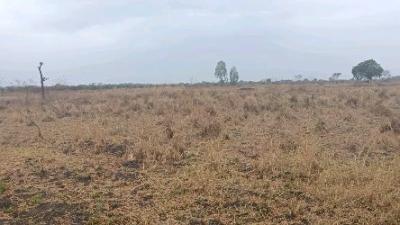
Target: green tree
<point x="367" y="70"/>
<point x="234" y="76"/>
<point x="220" y="72"/>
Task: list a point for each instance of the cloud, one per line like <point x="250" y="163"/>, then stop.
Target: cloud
<point x="174" y="40"/>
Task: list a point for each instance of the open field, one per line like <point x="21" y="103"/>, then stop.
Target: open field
<point x="274" y="154"/>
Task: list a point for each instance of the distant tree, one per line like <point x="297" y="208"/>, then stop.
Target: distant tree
<point x="298" y="77"/>
<point x="233" y="76"/>
<point x="266" y="81"/>
<point x="386" y="74"/>
<point x="335" y="77"/>
<point x="367" y="70"/>
<point x="42" y="79"/>
<point x="221" y="72"/>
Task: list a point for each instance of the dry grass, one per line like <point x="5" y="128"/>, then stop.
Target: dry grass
<point x="272" y="154"/>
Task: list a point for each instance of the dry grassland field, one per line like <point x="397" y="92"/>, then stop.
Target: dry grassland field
<point x="262" y="154"/>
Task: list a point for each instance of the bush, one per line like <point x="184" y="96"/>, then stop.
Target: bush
<point x="211" y="130"/>
<point x="3" y="187"/>
<point x="395" y="125"/>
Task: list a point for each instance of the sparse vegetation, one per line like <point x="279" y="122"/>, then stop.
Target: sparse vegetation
<point x="2" y="187"/>
<point x="260" y="154"/>
<point x="335" y="77"/>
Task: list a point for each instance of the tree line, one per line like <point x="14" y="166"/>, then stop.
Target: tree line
<point x="366" y="70"/>
<point x="222" y="74"/>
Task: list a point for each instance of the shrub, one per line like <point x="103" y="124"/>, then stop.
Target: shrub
<point x="381" y="110"/>
<point x="3" y="187"/>
<point x="320" y="126"/>
<point x="289" y="146"/>
<point x="395" y="125"/>
<point x="211" y="130"/>
<point x="250" y="105"/>
<point x="352" y="102"/>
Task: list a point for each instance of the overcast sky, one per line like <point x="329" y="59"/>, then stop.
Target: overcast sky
<point x="167" y="41"/>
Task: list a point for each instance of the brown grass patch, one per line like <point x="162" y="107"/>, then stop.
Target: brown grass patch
<point x="276" y="154"/>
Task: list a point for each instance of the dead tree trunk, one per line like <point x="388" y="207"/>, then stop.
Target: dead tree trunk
<point x="42" y="80"/>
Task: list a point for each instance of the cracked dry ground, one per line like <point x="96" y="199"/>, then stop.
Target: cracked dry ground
<point x="276" y="154"/>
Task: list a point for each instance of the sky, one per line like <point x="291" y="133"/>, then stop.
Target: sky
<point x="172" y="41"/>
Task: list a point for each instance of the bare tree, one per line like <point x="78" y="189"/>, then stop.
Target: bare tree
<point x="386" y="74"/>
<point x="298" y="77"/>
<point x="335" y="77"/>
<point x="42" y="79"/>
